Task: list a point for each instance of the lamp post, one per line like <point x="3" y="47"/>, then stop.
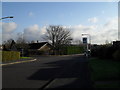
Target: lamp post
<point x="6" y="17"/>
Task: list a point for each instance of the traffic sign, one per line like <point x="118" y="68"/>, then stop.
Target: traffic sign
<point x="85" y="40"/>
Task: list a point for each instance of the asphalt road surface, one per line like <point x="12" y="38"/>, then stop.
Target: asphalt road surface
<point x="48" y="72"/>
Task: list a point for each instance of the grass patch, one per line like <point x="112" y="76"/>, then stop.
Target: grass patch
<point x="108" y="85"/>
<point x="105" y="70"/>
<point x="25" y="57"/>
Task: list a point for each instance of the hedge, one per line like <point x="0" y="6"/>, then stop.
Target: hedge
<point x="10" y="55"/>
<point x="68" y="50"/>
<point x="74" y="50"/>
<point x="106" y="52"/>
<point x="116" y="55"/>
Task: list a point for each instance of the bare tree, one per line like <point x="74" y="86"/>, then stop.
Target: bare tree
<point x="7" y="44"/>
<point x="58" y="36"/>
<point x="77" y="42"/>
<point x="21" y="42"/>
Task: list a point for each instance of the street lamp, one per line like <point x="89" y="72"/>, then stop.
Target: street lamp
<point x="6" y="17"/>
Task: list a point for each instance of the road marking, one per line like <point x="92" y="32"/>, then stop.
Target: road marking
<point x="47" y="84"/>
<point x="18" y="62"/>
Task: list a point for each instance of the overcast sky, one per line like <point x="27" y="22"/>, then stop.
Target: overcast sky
<point x="99" y="19"/>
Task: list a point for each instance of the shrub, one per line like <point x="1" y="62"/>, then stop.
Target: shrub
<point x="109" y="52"/>
<point x="74" y="50"/>
<point x="103" y="51"/>
<point x="116" y="55"/>
<point x="10" y="55"/>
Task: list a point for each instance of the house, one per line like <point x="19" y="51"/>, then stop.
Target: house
<point x="10" y="47"/>
<point x="43" y="48"/>
<point x="13" y="46"/>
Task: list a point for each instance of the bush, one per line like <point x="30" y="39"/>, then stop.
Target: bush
<point x="74" y="50"/>
<point x="103" y="51"/>
<point x="109" y="52"/>
<point x="116" y="55"/>
<point x="10" y="55"/>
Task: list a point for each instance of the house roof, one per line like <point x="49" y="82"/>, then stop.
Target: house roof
<point x="37" y="45"/>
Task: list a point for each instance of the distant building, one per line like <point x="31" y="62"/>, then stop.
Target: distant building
<point x="40" y="48"/>
<point x="11" y="47"/>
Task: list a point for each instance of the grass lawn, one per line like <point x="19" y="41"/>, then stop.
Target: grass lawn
<point x="105" y="70"/>
<point x="25" y="57"/>
<point x="113" y="84"/>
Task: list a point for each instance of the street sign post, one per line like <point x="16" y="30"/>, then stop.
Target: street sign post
<point x="84" y="40"/>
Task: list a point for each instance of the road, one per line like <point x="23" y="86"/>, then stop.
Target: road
<point x="48" y="72"/>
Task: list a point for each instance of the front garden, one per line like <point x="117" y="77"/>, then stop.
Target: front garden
<point x="105" y="73"/>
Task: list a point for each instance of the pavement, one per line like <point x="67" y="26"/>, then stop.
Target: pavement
<point x="17" y="61"/>
<point x="48" y="72"/>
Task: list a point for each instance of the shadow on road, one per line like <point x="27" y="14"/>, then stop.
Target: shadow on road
<point x="74" y="73"/>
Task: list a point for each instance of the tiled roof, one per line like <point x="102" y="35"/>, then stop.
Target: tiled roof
<point x="36" y="45"/>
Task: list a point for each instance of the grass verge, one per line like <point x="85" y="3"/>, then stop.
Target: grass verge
<point x="105" y="71"/>
<point x="25" y="57"/>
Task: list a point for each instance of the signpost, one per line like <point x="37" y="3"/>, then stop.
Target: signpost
<point x="85" y="40"/>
